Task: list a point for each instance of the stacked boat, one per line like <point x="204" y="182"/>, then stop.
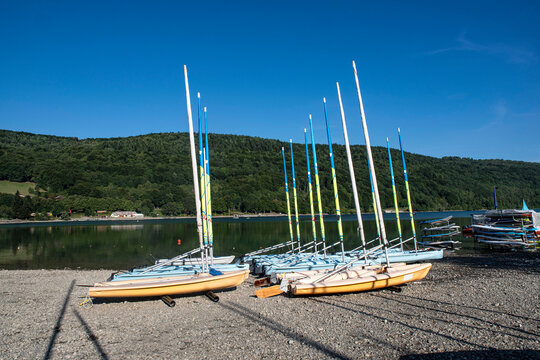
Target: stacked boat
<point x="186" y="273"/>
<point x="507" y="228"/>
<point x="318" y="268"/>
<point x="439" y="232"/>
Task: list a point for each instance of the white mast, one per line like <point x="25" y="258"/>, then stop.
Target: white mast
<point x="351" y="170"/>
<point x="371" y="166"/>
<point x="194" y="166"/>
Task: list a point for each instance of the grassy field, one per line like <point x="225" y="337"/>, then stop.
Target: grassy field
<point x="11" y="187"/>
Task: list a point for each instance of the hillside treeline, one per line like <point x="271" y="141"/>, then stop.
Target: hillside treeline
<point x="152" y="174"/>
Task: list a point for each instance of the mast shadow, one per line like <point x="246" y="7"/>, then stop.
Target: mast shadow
<point x="477" y="355"/>
<point x="275" y="326"/>
<point x="57" y="326"/>
<point x="471" y="307"/>
<point x="455" y="323"/>
<point x="396" y="321"/>
<point x="91" y="335"/>
<point x="471" y="317"/>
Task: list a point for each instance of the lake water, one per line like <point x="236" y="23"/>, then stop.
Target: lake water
<point x="121" y="245"/>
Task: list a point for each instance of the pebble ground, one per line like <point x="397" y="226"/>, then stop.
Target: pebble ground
<point x="468" y="307"/>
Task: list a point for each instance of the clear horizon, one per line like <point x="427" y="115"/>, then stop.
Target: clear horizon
<point x="459" y="79"/>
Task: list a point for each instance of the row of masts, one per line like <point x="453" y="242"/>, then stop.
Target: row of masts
<point x="206" y="198"/>
<point x="203" y="194"/>
<point x="202" y="187"/>
<point x="296" y="245"/>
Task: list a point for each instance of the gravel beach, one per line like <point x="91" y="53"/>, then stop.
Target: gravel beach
<point x="469" y="306"/>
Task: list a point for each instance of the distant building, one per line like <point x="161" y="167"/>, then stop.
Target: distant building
<point x="126" y="214"/>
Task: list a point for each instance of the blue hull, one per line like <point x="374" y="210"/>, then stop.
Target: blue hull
<point x="333" y="262"/>
<point x="174" y="271"/>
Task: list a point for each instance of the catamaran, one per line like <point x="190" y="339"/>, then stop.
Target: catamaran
<point x="303" y="261"/>
<point x="272" y="264"/>
<point x="166" y="279"/>
<point x="396" y="251"/>
<point x="348" y="277"/>
<point x="312" y="262"/>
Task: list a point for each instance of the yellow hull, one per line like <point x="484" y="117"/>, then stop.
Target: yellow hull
<point x="367" y="281"/>
<point x="182" y="286"/>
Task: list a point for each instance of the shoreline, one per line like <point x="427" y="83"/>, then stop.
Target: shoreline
<point x="115" y="221"/>
<point x="473" y="306"/>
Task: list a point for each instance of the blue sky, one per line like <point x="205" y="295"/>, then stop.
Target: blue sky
<point x="460" y="78"/>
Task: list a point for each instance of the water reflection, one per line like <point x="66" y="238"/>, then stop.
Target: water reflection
<point x="123" y="246"/>
<point x="126" y="227"/>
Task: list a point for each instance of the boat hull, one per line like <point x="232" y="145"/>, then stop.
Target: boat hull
<point x="196" y="261"/>
<point x="372" y="281"/>
<point x="408" y="256"/>
<point x="333" y="262"/>
<point x="162" y="287"/>
<point x="173" y="270"/>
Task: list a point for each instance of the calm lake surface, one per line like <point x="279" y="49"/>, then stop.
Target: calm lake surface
<point x="121" y="245"/>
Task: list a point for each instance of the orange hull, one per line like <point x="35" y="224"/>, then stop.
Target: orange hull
<point x="164" y="286"/>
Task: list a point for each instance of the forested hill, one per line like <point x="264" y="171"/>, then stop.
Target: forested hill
<point x="152" y="174"/>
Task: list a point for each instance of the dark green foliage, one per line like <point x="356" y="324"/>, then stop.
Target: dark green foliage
<point x="152" y="173"/>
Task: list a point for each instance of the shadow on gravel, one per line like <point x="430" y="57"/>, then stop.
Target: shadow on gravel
<point x="477" y="354"/>
<point x="57" y="327"/>
<point x="58" y="322"/>
<point x="271" y="324"/>
<point x="481" y="318"/>
<point x="476" y="308"/>
<point x="91" y="335"/>
<point x="529" y="261"/>
<point x="362" y="311"/>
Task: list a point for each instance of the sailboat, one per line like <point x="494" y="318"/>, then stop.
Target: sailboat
<point x="256" y="259"/>
<point x="396" y="251"/>
<point x="206" y="200"/>
<point x="319" y="259"/>
<point x="348" y="278"/>
<point x="160" y="280"/>
<point x="272" y="265"/>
